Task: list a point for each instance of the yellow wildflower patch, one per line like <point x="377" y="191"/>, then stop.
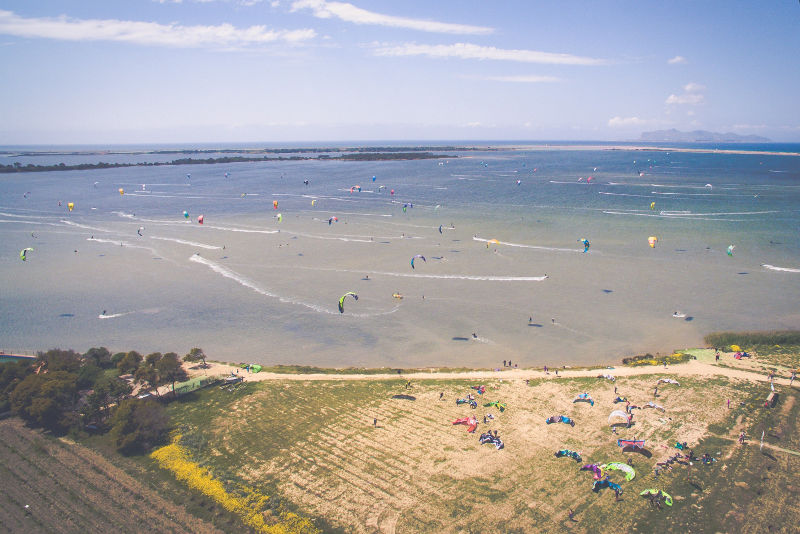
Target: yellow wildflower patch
<point x="249" y="507"/>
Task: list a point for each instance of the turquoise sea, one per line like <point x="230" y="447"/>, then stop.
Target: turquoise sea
<point x="249" y="286"/>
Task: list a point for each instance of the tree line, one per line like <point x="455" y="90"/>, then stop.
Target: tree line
<point x="65" y="391"/>
<point x="366" y="156"/>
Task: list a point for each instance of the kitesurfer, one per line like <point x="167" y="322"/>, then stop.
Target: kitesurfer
<point x="475" y="336"/>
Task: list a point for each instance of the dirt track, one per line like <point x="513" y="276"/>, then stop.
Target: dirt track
<point x="692" y="368"/>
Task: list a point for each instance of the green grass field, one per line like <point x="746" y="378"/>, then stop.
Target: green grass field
<point x="312" y="446"/>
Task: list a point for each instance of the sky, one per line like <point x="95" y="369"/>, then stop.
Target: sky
<point x="287" y="71"/>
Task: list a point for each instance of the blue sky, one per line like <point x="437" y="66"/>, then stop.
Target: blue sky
<point x="167" y="71"/>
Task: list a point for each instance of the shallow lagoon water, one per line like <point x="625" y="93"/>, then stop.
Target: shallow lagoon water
<point x="246" y="287"/>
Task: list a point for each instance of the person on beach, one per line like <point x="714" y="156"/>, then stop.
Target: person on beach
<point x="375" y="422"/>
<point x="571" y="515"/>
<point x="441" y="394"/>
<point x="655" y="392"/>
<point x="545" y="370"/>
<point x="504" y="362"/>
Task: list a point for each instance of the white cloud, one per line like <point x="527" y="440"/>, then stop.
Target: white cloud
<point x="692" y="95"/>
<point x="146" y="33"/>
<point x="350" y="13"/>
<point x="677" y="60"/>
<point x="519" y="79"/>
<point x="617" y="122"/>
<point x="471" y="51"/>
<point x="686" y="98"/>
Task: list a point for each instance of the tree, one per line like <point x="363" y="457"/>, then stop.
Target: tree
<point x="130" y="362"/>
<point x="147" y="375"/>
<point x="46" y="399"/>
<point x="106" y="391"/>
<point x="196" y="354"/>
<point x="101" y="357"/>
<point x="61" y="360"/>
<point x="170" y="370"/>
<point x="11" y="374"/>
<point x="137" y="425"/>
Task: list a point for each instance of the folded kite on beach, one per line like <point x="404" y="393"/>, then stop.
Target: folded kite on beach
<point x="668" y="381"/>
<point x="597" y="471"/>
<point x="488" y="437"/>
<point x="560" y="419"/>
<point x="584" y="397"/>
<point x="470" y="421"/>
<point x="569" y="454"/>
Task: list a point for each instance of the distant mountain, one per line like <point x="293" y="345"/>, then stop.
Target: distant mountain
<point x="700" y="136"/>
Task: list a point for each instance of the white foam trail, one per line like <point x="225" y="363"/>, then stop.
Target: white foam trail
<point x="25" y="216"/>
<point x="114" y="315"/>
<point x="786" y="269"/>
<point x="685" y="194"/>
<point x="335" y="238"/>
<point x="123" y="214"/>
<point x="29" y="222"/>
<point x="125" y="244"/>
<point x="236" y="277"/>
<point x="477" y="278"/>
<point x="238" y="229"/>
<point x="365" y="214"/>
<point x="623" y="194"/>
<point x="687" y="217"/>
<point x="183" y="242"/>
<point x="85" y="227"/>
<point x="537" y="247"/>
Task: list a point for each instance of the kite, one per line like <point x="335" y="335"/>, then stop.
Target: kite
<point x="570" y="454"/>
<point x="584" y="397"/>
<point x="730" y="250"/>
<point x="200" y="219"/>
<point x="659" y="494"/>
<point x="619" y="466"/>
<point x="417" y="256"/>
<point x="121" y="191"/>
<point x="618" y="417"/>
<point x="497" y="404"/>
<point x="341" y="300"/>
<point x="585" y="244"/>
<point x="471" y="422"/>
<point x="597" y="471"/>
<point x="652" y="240"/>
<point x="23" y="254"/>
<point x="70" y="205"/>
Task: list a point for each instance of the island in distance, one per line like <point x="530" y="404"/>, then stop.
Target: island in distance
<point x="700" y="136"/>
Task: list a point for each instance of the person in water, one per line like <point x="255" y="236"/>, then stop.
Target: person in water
<point x="474" y="335"/>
